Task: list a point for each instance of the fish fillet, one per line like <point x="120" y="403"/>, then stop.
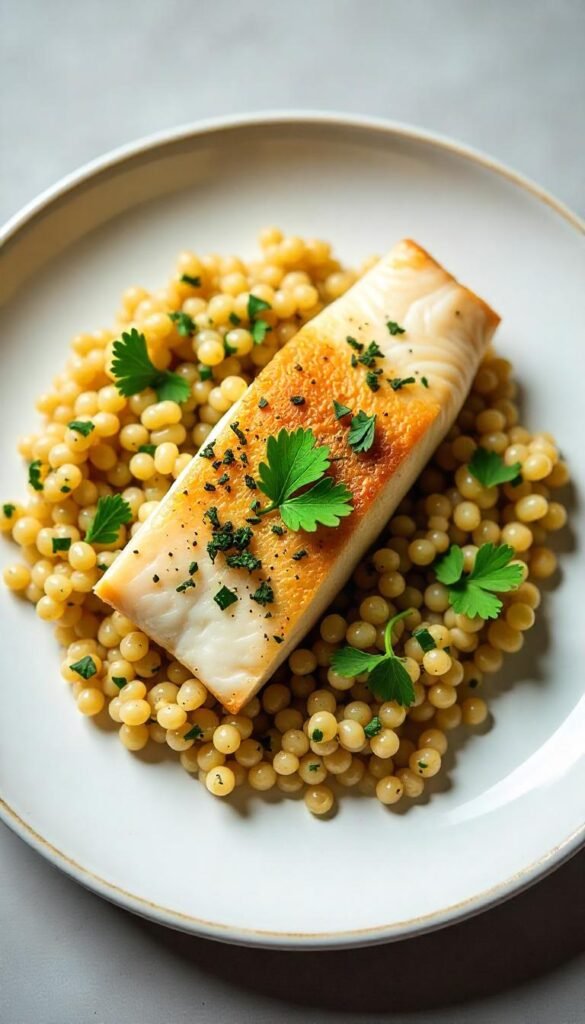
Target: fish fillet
<point x="234" y="651"/>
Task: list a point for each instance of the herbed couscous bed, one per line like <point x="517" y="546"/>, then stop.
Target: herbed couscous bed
<point x="310" y="726"/>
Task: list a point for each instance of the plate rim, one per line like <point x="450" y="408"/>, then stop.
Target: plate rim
<point x="481" y="901"/>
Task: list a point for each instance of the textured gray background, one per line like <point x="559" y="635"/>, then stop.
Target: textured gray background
<point x="80" y="78"/>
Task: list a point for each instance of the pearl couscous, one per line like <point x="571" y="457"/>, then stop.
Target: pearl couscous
<point x="311" y="730"/>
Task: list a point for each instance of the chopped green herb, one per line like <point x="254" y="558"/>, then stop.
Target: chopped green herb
<point x="259" y="329"/>
<point x="65" y="490"/>
<point x="278" y="639"/>
<point x="490" y="469"/>
<point x="86" y="667"/>
<point x="83" y="427"/>
<point x="61" y="544"/>
<point x="112" y="511"/>
<point x="424" y="382"/>
<point x="244" y="560"/>
<point x="185" y="585"/>
<point x="373" y="727"/>
<point x="119" y="681"/>
<point x="9" y="510"/>
<point x="134" y="372"/>
<point x="195" y="282"/>
<point x="303" y="553"/>
<point x="263" y="402"/>
<point x="207" y="452"/>
<point x="370" y="354"/>
<point x="294" y="459"/>
<point x="279" y="530"/>
<point x="317" y="735"/>
<point x="239" y="433"/>
<point x="372" y="380"/>
<point x="250" y="482"/>
<point x="195" y="733"/>
<point x="422" y="764"/>
<point x="185" y="324"/>
<point x="314" y="767"/>
<point x="473" y="594"/>
<point x="205" y="372"/>
<point x="264" y="594"/>
<point x="193" y="567"/>
<point x="234" y="319"/>
<point x="208" y="487"/>
<point x="362" y="432"/>
<point x="256" y="305"/>
<point x="224" y="598"/>
<point x="340" y="410"/>
<point x="388" y="678"/>
<point x="356" y="345"/>
<point x="229" y="350"/>
<point x="399" y="382"/>
<point x="354" y="361"/>
<point x="149" y="449"/>
<point x="394" y="328"/>
<point x="425" y="640"/>
<point x="297" y="400"/>
<point x="228" y="457"/>
<point x="34" y="475"/>
<point x="223" y="479"/>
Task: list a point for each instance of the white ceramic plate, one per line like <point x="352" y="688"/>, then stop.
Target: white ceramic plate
<point x="263" y="871"/>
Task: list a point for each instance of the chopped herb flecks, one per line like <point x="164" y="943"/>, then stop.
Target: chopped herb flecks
<point x="186" y="585"/>
<point x="195" y="282"/>
<point x="225" y="597"/>
<point x="303" y="553"/>
<point x="264" y="594"/>
<point x="399" y="382"/>
<point x="83" y="427"/>
<point x="262" y="403"/>
<point x="239" y="433"/>
<point x="85" y="667"/>
<point x="395" y="328"/>
<point x="207" y="452"/>
<point x="297" y="400"/>
<point x="61" y="544"/>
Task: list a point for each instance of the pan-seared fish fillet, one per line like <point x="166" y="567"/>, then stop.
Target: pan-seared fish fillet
<point x="234" y="651"/>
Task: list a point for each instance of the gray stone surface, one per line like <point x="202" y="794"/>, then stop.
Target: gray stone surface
<point x="79" y="79"/>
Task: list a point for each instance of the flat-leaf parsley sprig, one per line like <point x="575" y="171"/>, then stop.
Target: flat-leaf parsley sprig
<point x="135" y="372"/>
<point x="472" y="593"/>
<point x="111" y="512"/>
<point x="295" y="460"/>
<point x="387" y="676"/>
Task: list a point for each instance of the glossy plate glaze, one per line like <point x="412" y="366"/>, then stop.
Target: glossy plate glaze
<point x="260" y="870"/>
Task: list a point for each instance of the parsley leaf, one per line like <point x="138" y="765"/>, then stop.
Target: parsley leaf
<point x="473" y="594"/>
<point x="195" y="282"/>
<point x="362" y="432"/>
<point x="295" y="460"/>
<point x="135" y="372"/>
<point x="317" y="735"/>
<point x="34" y="475"/>
<point x="148" y="449"/>
<point x="372" y="379"/>
<point x="340" y="410"/>
<point x="388" y="678"/>
<point x="398" y="382"/>
<point x="490" y="469"/>
<point x="185" y="323"/>
<point x="84" y="427"/>
<point x="86" y="667"/>
<point x="119" y="681"/>
<point x="9" y="510"/>
<point x="424" y="382"/>
<point x="111" y="512"/>
<point x="395" y="328"/>
<point x="373" y="727"/>
<point x="225" y="597"/>
<point x="425" y="640"/>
